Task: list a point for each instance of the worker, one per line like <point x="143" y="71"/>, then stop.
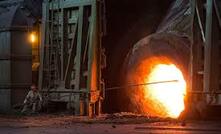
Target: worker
<point x="32" y="101"/>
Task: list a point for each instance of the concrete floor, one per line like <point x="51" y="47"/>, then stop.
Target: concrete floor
<point x="56" y="124"/>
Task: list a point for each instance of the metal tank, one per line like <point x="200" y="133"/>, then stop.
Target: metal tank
<point x="15" y="54"/>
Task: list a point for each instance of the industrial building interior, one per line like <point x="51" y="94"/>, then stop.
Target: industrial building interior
<point x="111" y="61"/>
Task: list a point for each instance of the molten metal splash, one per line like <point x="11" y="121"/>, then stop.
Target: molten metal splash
<point x="168" y="98"/>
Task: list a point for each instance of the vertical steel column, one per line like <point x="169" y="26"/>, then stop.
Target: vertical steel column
<point x="91" y="55"/>
<point x="191" y="67"/>
<point x="42" y="45"/>
<point x="62" y="41"/>
<point x="78" y="56"/>
<point x="207" y="48"/>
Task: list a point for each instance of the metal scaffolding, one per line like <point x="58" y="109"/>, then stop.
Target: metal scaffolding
<point x="206" y="46"/>
<point x="70" y="69"/>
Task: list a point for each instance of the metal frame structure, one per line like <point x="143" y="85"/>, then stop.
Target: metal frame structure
<point x="205" y="51"/>
<point x="70" y="63"/>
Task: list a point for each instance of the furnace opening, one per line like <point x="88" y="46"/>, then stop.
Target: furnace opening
<point x="168" y="97"/>
<point x="164" y="99"/>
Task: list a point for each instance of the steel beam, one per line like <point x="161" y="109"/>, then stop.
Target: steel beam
<point x="72" y="3"/>
<point x="78" y="58"/>
<point x="208" y="46"/>
<point x="62" y="42"/>
<point x="42" y="45"/>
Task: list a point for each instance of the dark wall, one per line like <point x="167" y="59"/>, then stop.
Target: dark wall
<point x="34" y="7"/>
<point x="127" y="22"/>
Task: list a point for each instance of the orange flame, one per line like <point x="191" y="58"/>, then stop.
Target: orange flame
<point x="164" y="99"/>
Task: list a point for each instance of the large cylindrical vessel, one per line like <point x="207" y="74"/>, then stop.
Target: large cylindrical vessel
<point x="15" y="55"/>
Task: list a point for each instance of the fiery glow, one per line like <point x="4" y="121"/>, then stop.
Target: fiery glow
<point x="163" y="99"/>
<point x="168" y="98"/>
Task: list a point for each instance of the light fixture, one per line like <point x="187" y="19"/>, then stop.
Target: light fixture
<point x="33" y="37"/>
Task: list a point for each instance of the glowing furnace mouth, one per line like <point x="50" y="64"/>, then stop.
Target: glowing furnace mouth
<point x="167" y="98"/>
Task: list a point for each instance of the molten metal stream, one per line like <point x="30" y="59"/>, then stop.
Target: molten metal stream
<point x="168" y="98"/>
